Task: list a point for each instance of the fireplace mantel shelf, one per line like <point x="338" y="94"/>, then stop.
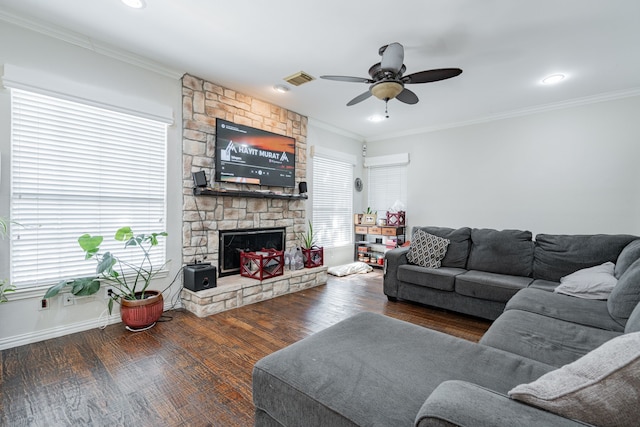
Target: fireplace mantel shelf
<point x="198" y="191"/>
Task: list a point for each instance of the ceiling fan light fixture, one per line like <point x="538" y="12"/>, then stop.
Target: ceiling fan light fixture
<point x="386" y="90"/>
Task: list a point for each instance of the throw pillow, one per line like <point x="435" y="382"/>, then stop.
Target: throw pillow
<point x="595" y="282"/>
<point x="427" y="250"/>
<point x="629" y="254"/>
<point x="600" y="388"/>
<point x="626" y="294"/>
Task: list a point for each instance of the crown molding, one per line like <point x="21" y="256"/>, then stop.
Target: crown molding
<point x="587" y="100"/>
<point x="85" y="42"/>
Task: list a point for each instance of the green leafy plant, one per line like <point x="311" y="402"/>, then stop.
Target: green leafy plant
<point x="368" y="211"/>
<point x="308" y="238"/>
<point x="128" y="280"/>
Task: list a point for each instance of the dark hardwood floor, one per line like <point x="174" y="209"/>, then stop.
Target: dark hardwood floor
<point x="187" y="371"/>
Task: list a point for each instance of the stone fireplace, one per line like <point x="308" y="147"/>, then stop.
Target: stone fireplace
<point x="205" y="216"/>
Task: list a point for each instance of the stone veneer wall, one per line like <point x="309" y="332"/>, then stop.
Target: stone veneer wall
<point x="202" y="103"/>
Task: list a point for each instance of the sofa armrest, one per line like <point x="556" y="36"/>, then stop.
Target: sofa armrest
<point x="392" y="260"/>
<point x="459" y="403"/>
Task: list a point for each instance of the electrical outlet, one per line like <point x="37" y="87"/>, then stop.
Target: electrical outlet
<point x="43" y="304"/>
<point x="68" y="299"/>
<point x="108" y="292"/>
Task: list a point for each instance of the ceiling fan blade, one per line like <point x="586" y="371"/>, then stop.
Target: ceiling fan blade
<point x="407" y="96"/>
<point x="348" y="79"/>
<point x="359" y="98"/>
<point x="392" y="57"/>
<point x="432" y="75"/>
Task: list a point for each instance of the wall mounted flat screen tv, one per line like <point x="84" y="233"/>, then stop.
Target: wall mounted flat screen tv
<point x="246" y="155"/>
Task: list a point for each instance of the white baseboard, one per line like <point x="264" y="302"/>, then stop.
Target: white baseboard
<point x="59" y="331"/>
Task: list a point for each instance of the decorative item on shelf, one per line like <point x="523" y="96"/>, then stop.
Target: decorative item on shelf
<point x="396" y="219"/>
<point x="357" y="219"/>
<point x="382" y="222"/>
<point x="396" y="215"/>
<point x="313" y="255"/>
<point x="369" y="217"/>
<point x="262" y="264"/>
<point x="140" y="308"/>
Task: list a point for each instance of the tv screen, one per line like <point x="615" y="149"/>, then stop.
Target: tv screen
<point x="246" y="155"/>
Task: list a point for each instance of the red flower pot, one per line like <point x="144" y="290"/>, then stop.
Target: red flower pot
<point x="141" y="313"/>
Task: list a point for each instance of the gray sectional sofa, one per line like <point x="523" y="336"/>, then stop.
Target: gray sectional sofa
<point x="484" y="268"/>
<point x="372" y="370"/>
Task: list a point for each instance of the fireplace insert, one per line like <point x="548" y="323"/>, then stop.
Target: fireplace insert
<point x="232" y="242"/>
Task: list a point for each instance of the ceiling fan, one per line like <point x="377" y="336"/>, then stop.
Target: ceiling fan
<point x="387" y="81"/>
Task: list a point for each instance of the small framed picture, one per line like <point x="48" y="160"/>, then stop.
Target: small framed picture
<point x="369" y="219"/>
<point x="357" y="219"/>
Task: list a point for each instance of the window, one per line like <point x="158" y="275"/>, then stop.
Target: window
<point x="332" y="201"/>
<point x="387" y="184"/>
<point x="79" y="169"/>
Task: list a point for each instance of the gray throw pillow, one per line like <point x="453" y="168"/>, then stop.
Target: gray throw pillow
<point x="625" y="295"/>
<point x="595" y="282"/>
<point x="629" y="254"/>
<point x="427" y="250"/>
<point x="601" y="388"/>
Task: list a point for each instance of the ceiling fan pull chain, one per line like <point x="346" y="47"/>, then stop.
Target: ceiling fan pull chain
<point x="386" y="109"/>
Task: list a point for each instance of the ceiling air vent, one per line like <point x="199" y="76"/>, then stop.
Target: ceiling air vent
<point x="299" y="78"/>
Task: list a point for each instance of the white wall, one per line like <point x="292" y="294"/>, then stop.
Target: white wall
<point x="320" y="135"/>
<point x="21" y="321"/>
<point x="567" y="171"/>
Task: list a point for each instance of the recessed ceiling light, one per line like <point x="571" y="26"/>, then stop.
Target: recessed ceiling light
<point x="281" y="88"/>
<point x="376" y="118"/>
<point x="553" y="79"/>
<point x="136" y="4"/>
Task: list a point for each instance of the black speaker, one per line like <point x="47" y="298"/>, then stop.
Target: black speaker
<point x="302" y="187"/>
<point x="198" y="277"/>
<point x="199" y="179"/>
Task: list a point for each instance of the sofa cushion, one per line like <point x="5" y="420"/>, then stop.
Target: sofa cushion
<point x="460" y="242"/>
<point x="375" y="370"/>
<point x="595" y="282"/>
<point x="545" y="285"/>
<point x="436" y="278"/>
<point x="557" y="255"/>
<point x="633" y="324"/>
<point x="629" y="254"/>
<point x="505" y="252"/>
<point x="490" y="286"/>
<point x="548" y="340"/>
<point x="601" y="388"/>
<point x="626" y="295"/>
<point x="563" y="307"/>
<point x="427" y="250"/>
<point x="460" y="403"/>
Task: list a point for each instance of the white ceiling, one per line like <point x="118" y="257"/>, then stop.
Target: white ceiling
<point x="505" y="48"/>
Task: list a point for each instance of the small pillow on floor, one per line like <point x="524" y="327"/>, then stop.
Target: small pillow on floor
<point x="427" y="250"/>
<point x="601" y="388"/>
<point x="590" y="283"/>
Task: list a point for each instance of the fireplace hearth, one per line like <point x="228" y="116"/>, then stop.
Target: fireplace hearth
<point x="232" y="242"/>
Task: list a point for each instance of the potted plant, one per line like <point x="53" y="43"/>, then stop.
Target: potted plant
<point x="312" y="255"/>
<point x="140" y="307"/>
<point x="5" y="286"/>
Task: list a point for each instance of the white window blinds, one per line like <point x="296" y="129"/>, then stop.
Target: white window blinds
<point x="386" y="185"/>
<point x="79" y="169"/>
<point x="332" y="201"/>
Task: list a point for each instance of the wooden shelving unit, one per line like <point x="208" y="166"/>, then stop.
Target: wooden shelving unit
<point x="373" y="241"/>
